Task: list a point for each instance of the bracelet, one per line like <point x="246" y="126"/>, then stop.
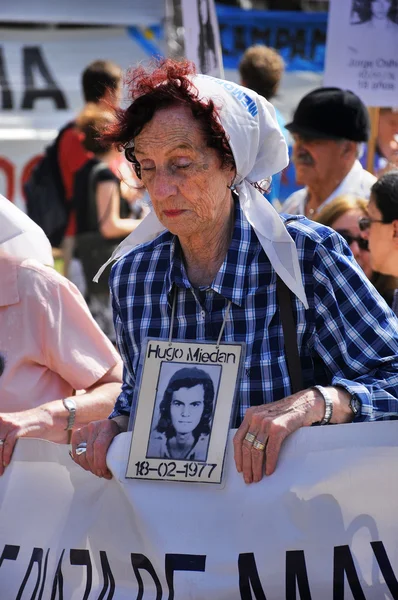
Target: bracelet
<point x="70" y="406"/>
<point x="328" y="404"/>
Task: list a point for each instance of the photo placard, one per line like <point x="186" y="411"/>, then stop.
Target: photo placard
<point x="362" y="49"/>
<point x="185" y="405"/>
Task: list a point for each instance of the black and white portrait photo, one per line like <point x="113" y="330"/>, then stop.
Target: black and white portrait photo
<point x="362" y="49"/>
<point x="186" y="400"/>
<point x="375" y="14"/>
<point x="206" y="42"/>
<point x="183" y="416"/>
<point x="202" y="36"/>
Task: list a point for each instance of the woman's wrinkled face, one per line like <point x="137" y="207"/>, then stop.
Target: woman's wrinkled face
<point x="347" y="226"/>
<point x="186" y="408"/>
<point x="184" y="178"/>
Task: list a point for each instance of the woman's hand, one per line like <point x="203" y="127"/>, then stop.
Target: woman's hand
<point x="270" y="424"/>
<point x="27" y="423"/>
<point x="97" y="436"/>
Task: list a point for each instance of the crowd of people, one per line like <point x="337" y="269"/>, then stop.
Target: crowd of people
<point x="182" y="187"/>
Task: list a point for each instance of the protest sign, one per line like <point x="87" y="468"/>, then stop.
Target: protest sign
<point x="322" y="526"/>
<point x="362" y="50"/>
<point x="184" y="408"/>
<point x="201" y="36"/>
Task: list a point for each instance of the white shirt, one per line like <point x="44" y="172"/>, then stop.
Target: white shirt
<point x="358" y="181"/>
<point x="21" y="237"/>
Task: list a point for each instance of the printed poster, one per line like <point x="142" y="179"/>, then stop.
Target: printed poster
<point x="362" y="49"/>
<point x="202" y="36"/>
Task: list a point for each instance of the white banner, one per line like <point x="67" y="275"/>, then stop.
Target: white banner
<point x="40" y="73"/>
<point x="362" y="50"/>
<point x="324" y="524"/>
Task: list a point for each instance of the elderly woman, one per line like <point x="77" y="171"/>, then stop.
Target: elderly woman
<point x="201" y="146"/>
<point x="186" y="410"/>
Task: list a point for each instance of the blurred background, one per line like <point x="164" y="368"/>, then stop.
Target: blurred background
<point x="45" y="45"/>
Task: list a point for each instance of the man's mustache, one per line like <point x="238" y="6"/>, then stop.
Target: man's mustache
<point x="304" y="158"/>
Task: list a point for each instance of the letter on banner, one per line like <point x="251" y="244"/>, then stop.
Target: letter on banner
<point x="10" y="552"/>
<point x="109" y="580"/>
<point x="140" y="561"/>
<point x="82" y="558"/>
<point x="6" y="93"/>
<point x="385" y="567"/>
<point x="248" y="576"/>
<point x="58" y="583"/>
<point x="344" y="566"/>
<point x="296" y="573"/>
<point x="182" y="562"/>
<point x="37" y="557"/>
<point x="34" y="60"/>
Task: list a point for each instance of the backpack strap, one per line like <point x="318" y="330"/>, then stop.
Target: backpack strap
<point x="53" y="153"/>
<point x="94" y="222"/>
<point x="289" y="329"/>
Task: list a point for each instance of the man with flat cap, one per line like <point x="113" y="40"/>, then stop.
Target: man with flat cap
<point x="329" y="127"/>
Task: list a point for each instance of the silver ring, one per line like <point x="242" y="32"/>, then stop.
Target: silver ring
<point x="2" y="442"/>
<point x="250" y="437"/>
<point x="81" y="448"/>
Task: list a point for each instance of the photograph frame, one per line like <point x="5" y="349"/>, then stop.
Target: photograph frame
<point x="185" y="403"/>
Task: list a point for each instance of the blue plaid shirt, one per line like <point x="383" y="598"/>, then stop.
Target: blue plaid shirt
<point x="348" y="337"/>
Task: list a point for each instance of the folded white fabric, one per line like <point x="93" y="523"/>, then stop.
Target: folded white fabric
<point x="20" y="236"/>
<point x="260" y="151"/>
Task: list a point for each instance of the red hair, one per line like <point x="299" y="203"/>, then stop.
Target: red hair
<point x="166" y="83"/>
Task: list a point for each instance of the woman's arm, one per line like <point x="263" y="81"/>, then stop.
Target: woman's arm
<point x="49" y="421"/>
<point x="96" y="403"/>
<point x="108" y="209"/>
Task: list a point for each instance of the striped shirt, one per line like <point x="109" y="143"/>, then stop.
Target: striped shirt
<point x="348" y="337"/>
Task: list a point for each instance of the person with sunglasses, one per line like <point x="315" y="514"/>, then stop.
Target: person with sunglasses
<point x="342" y="215"/>
<point x="380" y="227"/>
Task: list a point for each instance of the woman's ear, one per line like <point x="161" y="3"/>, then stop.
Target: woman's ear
<point x="232" y="180"/>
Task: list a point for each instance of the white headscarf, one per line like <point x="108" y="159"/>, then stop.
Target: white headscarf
<point x="260" y="151"/>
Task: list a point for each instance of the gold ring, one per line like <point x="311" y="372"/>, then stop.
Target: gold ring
<point x="259" y="446"/>
<point x="249" y="437"/>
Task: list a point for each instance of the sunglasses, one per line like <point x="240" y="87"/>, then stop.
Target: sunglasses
<point x="365" y="222"/>
<point x="350" y="239"/>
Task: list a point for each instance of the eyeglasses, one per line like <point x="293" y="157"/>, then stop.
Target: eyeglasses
<point x="350" y="239"/>
<point x="365" y="222"/>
